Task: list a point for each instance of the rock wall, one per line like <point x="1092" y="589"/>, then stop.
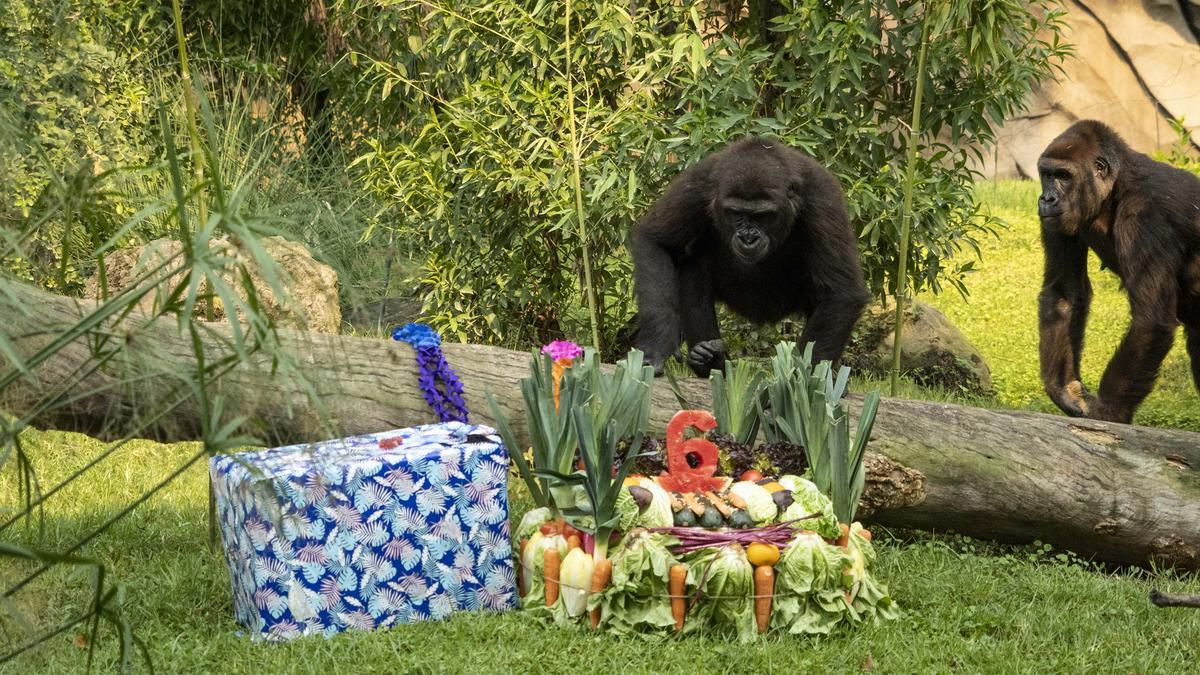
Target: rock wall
<point x="1136" y="67"/>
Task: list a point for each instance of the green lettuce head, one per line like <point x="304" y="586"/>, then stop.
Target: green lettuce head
<point x="807" y="501"/>
<point x="627" y="509"/>
<point x="659" y="513"/>
<point x="727" y="596"/>
<point x="759" y="504"/>
<point x="810" y="596"/>
<point x="532" y="521"/>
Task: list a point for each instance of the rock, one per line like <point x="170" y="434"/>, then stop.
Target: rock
<point x="375" y="317"/>
<point x="311" y="286"/>
<point x="1134" y="68"/>
<point x="933" y="351"/>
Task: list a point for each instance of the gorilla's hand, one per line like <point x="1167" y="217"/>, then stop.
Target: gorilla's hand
<point x="659" y="361"/>
<point x="1074" y="400"/>
<point x="703" y="357"/>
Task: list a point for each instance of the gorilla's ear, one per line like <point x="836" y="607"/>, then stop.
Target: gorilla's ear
<point x="1106" y="174"/>
<point x="795" y="194"/>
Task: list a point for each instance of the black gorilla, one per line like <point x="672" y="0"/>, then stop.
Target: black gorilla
<point x="1142" y="218"/>
<point x="760" y="227"/>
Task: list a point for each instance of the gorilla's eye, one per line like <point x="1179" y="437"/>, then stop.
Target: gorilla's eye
<point x="1062" y="175"/>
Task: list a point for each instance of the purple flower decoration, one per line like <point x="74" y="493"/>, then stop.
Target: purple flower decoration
<point x="563" y="349"/>
<point x="418" y="335"/>
<point x="447" y="401"/>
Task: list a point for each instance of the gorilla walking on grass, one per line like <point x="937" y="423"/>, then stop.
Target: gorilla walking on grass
<point x="1142" y="218"/>
<point x="760" y="227"/>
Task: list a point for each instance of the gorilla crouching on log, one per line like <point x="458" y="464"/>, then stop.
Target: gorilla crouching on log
<point x="1142" y="218"/>
<point x="760" y="227"/>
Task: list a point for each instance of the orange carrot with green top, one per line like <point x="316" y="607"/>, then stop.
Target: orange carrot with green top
<point x="601" y="575"/>
<point x="675" y="587"/>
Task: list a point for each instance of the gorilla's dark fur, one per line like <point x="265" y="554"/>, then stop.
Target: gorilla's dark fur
<point x="1142" y="218"/>
<point x="760" y="227"/>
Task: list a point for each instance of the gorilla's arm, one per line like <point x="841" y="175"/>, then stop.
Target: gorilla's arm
<point x="1148" y="272"/>
<point x="1063" y="306"/>
<point x="675" y="221"/>
<point x="836" y="285"/>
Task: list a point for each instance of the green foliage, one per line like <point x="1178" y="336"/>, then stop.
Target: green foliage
<point x="807" y="408"/>
<point x="196" y="206"/>
<point x="612" y="414"/>
<point x="552" y="435"/>
<point x="1182" y="152"/>
<point x="735" y="397"/>
<point x="479" y="174"/>
<point x="71" y="109"/>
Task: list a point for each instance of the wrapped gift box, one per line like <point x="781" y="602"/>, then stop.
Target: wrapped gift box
<point x="367" y="531"/>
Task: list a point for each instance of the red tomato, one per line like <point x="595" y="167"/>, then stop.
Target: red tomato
<point x="752" y="475"/>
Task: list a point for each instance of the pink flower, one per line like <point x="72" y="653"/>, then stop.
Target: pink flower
<point x="563" y="349"/>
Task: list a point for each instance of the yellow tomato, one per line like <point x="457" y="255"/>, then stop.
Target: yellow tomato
<point x="762" y="554"/>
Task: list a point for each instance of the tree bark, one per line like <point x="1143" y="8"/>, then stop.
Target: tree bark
<point x="1115" y="493"/>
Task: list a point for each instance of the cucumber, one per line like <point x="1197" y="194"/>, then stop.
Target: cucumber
<point x="740" y="520"/>
<point x="685" y="518"/>
<point x="712" y="518"/>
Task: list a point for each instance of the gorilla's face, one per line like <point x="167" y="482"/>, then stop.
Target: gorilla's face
<point x="1059" y="185"/>
<point x="753" y="222"/>
<point x="1076" y="179"/>
<point x="748" y="225"/>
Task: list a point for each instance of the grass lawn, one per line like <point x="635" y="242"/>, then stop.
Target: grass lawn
<point x="1000" y="317"/>
<point x="968" y="606"/>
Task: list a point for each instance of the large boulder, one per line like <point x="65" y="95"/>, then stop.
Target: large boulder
<point x="933" y="352"/>
<point x="311" y="287"/>
<point x="1136" y="67"/>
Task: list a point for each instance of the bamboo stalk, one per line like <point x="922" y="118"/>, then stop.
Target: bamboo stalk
<point x="576" y="187"/>
<point x="906" y="209"/>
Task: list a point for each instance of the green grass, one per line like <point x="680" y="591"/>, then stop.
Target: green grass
<point x="1000" y="317"/>
<point x="968" y="606"/>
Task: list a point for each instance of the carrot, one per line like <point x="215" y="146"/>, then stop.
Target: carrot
<point x="738" y="502"/>
<point x="601" y="575"/>
<point x="844" y="539"/>
<point x="560" y="365"/>
<point x="521" y="567"/>
<point x="676" y="588"/>
<point x="764" y="588"/>
<point x="676" y="502"/>
<point x="552" y="562"/>
<point x="693" y="503"/>
<point x="722" y="507"/>
<point x="865" y="534"/>
<point x="573" y="542"/>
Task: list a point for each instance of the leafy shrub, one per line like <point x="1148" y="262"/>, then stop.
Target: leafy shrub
<point x="479" y="174"/>
<point x="71" y="109"/>
<point x="1182" y="152"/>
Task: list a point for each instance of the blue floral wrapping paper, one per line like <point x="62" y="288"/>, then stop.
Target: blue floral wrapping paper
<point x="368" y="531"/>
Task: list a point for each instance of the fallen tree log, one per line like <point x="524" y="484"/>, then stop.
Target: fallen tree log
<point x="1116" y="493"/>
